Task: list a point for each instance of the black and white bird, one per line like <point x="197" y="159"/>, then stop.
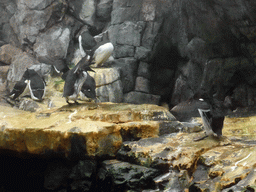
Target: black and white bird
<point x="74" y="81"/>
<point x="18" y="89"/>
<point x="59" y="64"/>
<point x="100" y="53"/>
<point x="213" y="114"/>
<point x="34" y="82"/>
<point x="88" y="88"/>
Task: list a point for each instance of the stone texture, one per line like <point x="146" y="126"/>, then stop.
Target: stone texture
<point x="27" y="23"/>
<point x="87" y="11"/>
<point x="216" y="164"/>
<point x="128" y="67"/>
<point x="130" y="33"/>
<point x="142" y="85"/>
<point x="8" y="52"/>
<point x="80" y="131"/>
<point x="19" y="65"/>
<point x="184" y="89"/>
<point x="35" y="4"/>
<point x="53" y="43"/>
<point x="105" y="76"/>
<point x="110" y="92"/>
<point x="142" y="54"/>
<point x="123" y="51"/>
<point x="127" y="176"/>
<point x="103" y="10"/>
<point x="144" y="70"/>
<point x="138" y="97"/>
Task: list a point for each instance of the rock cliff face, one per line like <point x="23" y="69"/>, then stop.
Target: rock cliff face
<point x="165" y="50"/>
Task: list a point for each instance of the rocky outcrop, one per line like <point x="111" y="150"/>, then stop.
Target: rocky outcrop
<point x="86" y="128"/>
<point x="215" y="165"/>
<point x="164" y="51"/>
<point x="166" y="37"/>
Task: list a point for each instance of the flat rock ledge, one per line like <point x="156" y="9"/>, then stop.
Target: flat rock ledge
<point x="88" y="129"/>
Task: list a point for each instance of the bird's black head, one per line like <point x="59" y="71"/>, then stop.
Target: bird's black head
<point x="88" y="88"/>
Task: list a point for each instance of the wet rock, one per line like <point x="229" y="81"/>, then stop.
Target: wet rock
<point x="86" y="130"/>
<point x="138" y="97"/>
<point x="124" y="175"/>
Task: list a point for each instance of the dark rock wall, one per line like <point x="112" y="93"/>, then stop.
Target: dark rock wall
<point x="175" y="47"/>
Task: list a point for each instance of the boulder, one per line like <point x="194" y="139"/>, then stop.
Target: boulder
<point x="87" y="11"/>
<point x="144" y="70"/>
<point x="19" y="65"/>
<point x="110" y="92"/>
<point x="121" y="51"/>
<point x="8" y="52"/>
<point x="77" y="132"/>
<point x="7" y="9"/>
<point x="105" y="76"/>
<point x="142" y="85"/>
<point x="28" y="23"/>
<point x="128" y="67"/>
<point x="139" y="97"/>
<point x="129" y="33"/>
<point x="103" y="10"/>
<point x="53" y="43"/>
<point x="142" y="53"/>
<point x="126" y="176"/>
<point x="38" y="5"/>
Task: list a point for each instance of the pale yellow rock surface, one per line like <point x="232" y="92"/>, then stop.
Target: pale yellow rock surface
<point x="100" y="128"/>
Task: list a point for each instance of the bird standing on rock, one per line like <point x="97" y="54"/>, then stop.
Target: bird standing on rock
<point x="88" y="88"/>
<point x="213" y="114"/>
<point x="74" y="81"/>
<point x="35" y="83"/>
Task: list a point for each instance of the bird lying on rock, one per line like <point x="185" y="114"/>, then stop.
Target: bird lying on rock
<point x="74" y="80"/>
<point x="35" y="83"/>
